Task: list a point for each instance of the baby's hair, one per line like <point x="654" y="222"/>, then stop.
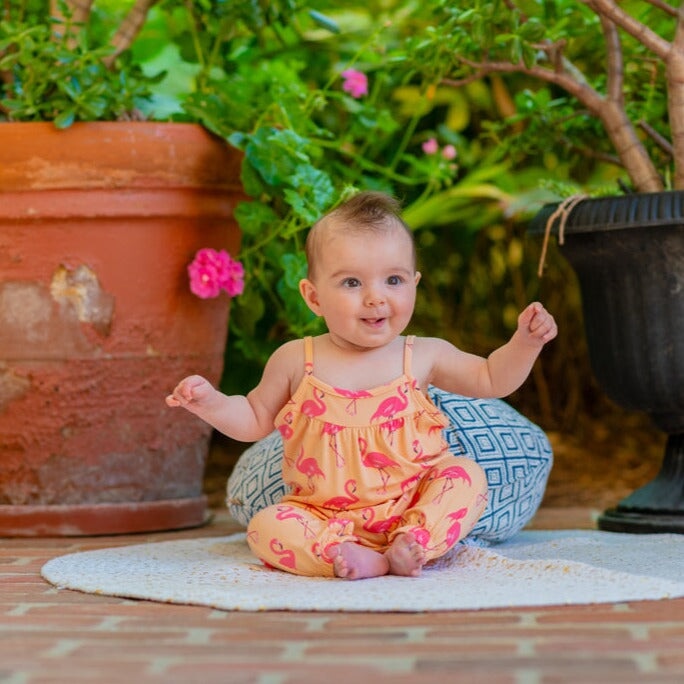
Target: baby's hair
<point x="367" y="211"/>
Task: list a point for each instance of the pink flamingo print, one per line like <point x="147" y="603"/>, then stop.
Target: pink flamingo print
<point x="409" y="490"/>
<point x="323" y="552"/>
<point x="341" y="528"/>
<point x="289" y="513"/>
<point x="332" y="429"/>
<point x="285" y="428"/>
<point x="392" y="405"/>
<point x="422" y="536"/>
<point x="377" y="460"/>
<point x="316" y="406"/>
<point x="378" y="526"/>
<point x="434" y="428"/>
<point x="392" y="426"/>
<point x="353" y="395"/>
<point x="419" y="531"/>
<point x="449" y="475"/>
<point x="408" y="485"/>
<point x="286" y="557"/>
<point x="454" y="532"/>
<point x="340" y="503"/>
<point x="294" y="488"/>
<point x="308" y="467"/>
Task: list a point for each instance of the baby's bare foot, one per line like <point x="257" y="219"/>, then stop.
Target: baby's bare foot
<point x="353" y="561"/>
<point x="406" y="556"/>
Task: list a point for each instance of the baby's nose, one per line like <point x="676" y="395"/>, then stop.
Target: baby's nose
<point x="374" y="296"/>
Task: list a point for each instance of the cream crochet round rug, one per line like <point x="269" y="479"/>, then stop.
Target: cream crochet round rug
<point x="535" y="568"/>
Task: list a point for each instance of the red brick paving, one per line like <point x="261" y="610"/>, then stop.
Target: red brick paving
<point x="49" y="636"/>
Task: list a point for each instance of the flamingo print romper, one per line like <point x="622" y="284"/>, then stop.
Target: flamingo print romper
<point x="364" y="466"/>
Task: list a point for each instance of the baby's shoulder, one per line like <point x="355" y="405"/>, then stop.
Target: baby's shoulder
<point x="427" y="354"/>
<point x="289" y="354"/>
<point x="285" y="366"/>
<point x="428" y="346"/>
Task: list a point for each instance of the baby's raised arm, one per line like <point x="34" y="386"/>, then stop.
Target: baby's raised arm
<point x="505" y="369"/>
<point x="245" y="418"/>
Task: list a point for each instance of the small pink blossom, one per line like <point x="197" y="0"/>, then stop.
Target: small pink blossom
<point x="233" y="281"/>
<point x="212" y="271"/>
<point x="430" y="146"/>
<point x="449" y="152"/>
<point x="355" y="83"/>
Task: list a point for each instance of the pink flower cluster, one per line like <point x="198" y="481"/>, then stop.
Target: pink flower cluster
<point x="212" y="271"/>
<point x="355" y="83"/>
<point x="431" y="146"/>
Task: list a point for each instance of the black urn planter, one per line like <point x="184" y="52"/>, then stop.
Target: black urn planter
<point x="628" y="254"/>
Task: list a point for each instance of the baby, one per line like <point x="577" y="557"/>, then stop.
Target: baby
<point x="373" y="487"/>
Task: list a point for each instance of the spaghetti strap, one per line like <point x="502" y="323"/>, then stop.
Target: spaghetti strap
<point x="408" y="354"/>
<point x="308" y="355"/>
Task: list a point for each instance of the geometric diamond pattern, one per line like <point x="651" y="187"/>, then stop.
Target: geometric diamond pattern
<point x="514" y="453"/>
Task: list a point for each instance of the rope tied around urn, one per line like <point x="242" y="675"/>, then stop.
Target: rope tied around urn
<point x="562" y="212"/>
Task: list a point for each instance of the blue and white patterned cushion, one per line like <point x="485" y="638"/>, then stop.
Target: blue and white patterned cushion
<point x="514" y="452"/>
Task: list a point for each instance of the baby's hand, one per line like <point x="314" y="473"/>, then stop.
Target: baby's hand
<point x="537" y="324"/>
<point x="190" y="393"/>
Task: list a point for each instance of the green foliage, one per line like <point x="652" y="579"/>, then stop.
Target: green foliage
<point x="472" y="42"/>
<point x="266" y="77"/>
<point x="55" y="72"/>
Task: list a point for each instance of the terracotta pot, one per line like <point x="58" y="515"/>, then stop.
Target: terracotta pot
<point x="97" y="226"/>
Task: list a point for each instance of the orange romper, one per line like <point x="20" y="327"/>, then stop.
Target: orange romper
<point x="364" y="466"/>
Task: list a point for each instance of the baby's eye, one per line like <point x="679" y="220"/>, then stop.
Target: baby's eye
<point x="395" y="280"/>
<point x="351" y="282"/>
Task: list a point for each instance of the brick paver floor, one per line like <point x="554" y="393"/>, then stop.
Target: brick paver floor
<point x="52" y="636"/>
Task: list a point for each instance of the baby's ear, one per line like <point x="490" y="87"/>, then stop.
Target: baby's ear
<point x="417" y="277"/>
<point x="308" y="291"/>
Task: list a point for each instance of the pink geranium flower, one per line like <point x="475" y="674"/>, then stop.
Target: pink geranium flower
<point x="430" y="146"/>
<point x="355" y="83"/>
<point x="212" y="271"/>
<point x="449" y="152"/>
<point x="232" y="280"/>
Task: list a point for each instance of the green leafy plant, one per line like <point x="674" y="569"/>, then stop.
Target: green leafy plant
<point x="53" y="71"/>
<point x="602" y="80"/>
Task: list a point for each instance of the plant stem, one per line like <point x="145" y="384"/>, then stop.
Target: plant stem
<point x="369" y="165"/>
<point x="406" y="138"/>
<point x="129" y="28"/>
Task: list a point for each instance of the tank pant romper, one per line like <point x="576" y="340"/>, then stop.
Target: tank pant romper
<point x="364" y="466"/>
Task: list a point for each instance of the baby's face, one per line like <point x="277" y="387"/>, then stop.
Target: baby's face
<point x="365" y="286"/>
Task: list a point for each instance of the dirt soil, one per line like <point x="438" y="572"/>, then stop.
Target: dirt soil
<point x="600" y="463"/>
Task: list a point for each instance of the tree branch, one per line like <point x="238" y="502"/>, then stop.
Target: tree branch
<point x="658" y="139"/>
<point x="620" y="130"/>
<point x="579" y="89"/>
<point x="129" y="29"/>
<point x="661" y="5"/>
<point x="674" y="73"/>
<point x="649" y="39"/>
<point x="614" y="61"/>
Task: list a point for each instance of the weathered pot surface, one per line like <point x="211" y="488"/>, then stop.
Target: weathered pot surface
<point x="97" y="226"/>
